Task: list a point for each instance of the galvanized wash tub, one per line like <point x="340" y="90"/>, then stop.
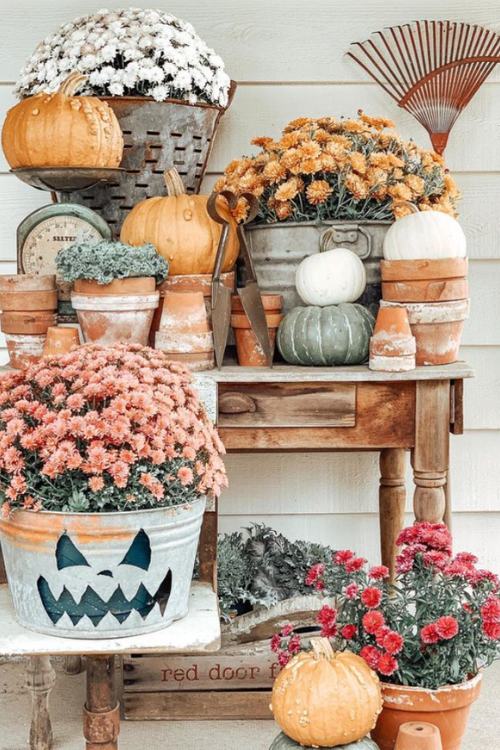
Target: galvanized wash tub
<point x="101" y="575"/>
<point x="277" y="250"/>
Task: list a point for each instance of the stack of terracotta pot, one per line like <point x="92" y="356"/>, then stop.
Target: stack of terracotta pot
<point x="194" y="282"/>
<point x="435" y="295"/>
<point x="248" y="349"/>
<point x="29" y="305"/>
<point x="185" y="333"/>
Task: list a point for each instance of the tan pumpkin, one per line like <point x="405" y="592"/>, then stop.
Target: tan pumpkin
<point x="180" y="228"/>
<point x="62" y="130"/>
<point x="324" y="698"/>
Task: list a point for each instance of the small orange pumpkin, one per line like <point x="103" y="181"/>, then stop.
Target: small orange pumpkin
<point x="325" y="698"/>
<point x="180" y="228"/>
<point x="62" y="130"/>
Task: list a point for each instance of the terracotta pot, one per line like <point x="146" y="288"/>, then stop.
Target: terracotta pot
<point x="437" y="328"/>
<point x="248" y="349"/>
<point x="424" y="280"/>
<point x="418" y="735"/>
<point x="135" y="285"/>
<point x="27" y="282"/>
<point x="420" y="270"/>
<point x="184" y="312"/>
<point x="60" y="340"/>
<point x="28" y="300"/>
<point x="194" y="361"/>
<point x="392" y="346"/>
<point x="35" y="322"/>
<point x="272" y="303"/>
<point x="24" y="349"/>
<point x="189" y="283"/>
<point x="448" y="708"/>
<point x="107" y="319"/>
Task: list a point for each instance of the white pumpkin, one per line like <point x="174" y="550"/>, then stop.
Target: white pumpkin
<point x="331" y="277"/>
<point x="425" y="235"/>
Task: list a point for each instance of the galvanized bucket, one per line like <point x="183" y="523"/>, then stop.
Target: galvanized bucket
<point x="101" y="575"/>
<point x="277" y="250"/>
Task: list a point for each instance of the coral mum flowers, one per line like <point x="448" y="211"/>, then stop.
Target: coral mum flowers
<point x="103" y="429"/>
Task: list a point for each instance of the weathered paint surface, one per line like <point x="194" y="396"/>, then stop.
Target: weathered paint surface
<point x="107" y="320"/>
<point x="86" y="575"/>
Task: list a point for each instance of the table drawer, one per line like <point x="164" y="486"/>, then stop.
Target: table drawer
<point x="287" y="405"/>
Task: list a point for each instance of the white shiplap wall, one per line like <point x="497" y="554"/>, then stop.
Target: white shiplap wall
<point x="288" y="58"/>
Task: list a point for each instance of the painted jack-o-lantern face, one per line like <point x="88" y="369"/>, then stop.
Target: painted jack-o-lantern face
<point x="106" y="595"/>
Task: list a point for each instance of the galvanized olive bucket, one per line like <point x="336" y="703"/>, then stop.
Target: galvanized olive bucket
<point x="277" y="250"/>
<point x="101" y="575"/>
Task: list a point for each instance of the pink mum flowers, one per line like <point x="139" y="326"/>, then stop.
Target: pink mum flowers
<point x="103" y="429"/>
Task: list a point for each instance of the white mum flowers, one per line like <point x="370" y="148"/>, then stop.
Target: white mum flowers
<point x="133" y="52"/>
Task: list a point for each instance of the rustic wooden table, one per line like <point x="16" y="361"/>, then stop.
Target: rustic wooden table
<point x="280" y="409"/>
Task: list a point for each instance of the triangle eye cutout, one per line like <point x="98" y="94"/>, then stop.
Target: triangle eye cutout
<point x="139" y="552"/>
<point x="67" y="554"/>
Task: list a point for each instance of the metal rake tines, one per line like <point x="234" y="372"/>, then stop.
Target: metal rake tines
<point x="430" y="68"/>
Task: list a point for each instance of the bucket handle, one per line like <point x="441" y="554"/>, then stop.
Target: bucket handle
<point x="339" y="234"/>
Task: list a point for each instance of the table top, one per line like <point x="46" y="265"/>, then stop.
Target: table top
<point x="198" y="632"/>
<point x="280" y="372"/>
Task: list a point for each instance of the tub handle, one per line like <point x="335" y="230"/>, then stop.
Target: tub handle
<point x="340" y="235"/>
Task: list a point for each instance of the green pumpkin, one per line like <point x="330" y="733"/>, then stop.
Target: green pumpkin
<point x="282" y="742"/>
<point x="326" y="336"/>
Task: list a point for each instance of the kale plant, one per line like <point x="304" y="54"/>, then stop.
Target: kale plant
<point x="104" y="261"/>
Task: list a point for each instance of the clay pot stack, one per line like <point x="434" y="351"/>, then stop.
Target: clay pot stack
<point x="248" y="349"/>
<point x="435" y="295"/>
<point x="120" y="311"/>
<point x="28" y="305"/>
<point x="193" y="282"/>
<point x="392" y="346"/>
<point x="185" y="334"/>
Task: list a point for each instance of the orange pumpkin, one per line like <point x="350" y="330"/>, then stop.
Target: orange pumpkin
<point x="325" y="698"/>
<point x="62" y="130"/>
<point x="180" y="228"/>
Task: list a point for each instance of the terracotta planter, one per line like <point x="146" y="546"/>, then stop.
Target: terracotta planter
<point x="272" y="303"/>
<point x="437" y="328"/>
<point x="185" y="334"/>
<point x="36" y="322"/>
<point x="135" y="285"/>
<point x="60" y="340"/>
<point x="28" y="300"/>
<point x="108" y="319"/>
<point x="248" y="349"/>
<point x="184" y="312"/>
<point x="441" y="280"/>
<point x="392" y="346"/>
<point x="418" y="735"/>
<point x="24" y="349"/>
<point x="448" y="708"/>
<point x="27" y="282"/>
<point x="189" y="283"/>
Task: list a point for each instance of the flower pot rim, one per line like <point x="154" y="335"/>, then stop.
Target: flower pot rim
<point x="149" y="99"/>
<point x="318" y="224"/>
<point x="110" y="513"/>
<point x="469" y="684"/>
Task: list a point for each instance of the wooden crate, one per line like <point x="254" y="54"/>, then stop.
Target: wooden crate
<point x="234" y="683"/>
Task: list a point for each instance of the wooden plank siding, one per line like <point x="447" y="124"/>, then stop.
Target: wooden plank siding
<point x="290" y="61"/>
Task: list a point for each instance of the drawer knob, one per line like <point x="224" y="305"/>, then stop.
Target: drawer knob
<point x="233" y="402"/>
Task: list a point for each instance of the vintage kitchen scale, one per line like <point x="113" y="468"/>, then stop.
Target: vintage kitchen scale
<point x="49" y="229"/>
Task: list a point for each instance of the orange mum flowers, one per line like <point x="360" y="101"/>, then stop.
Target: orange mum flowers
<point x="336" y="169"/>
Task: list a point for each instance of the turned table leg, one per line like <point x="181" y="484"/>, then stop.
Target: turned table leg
<point x="73" y="665"/>
<point x="40" y="679"/>
<point x="392" y="502"/>
<point x="431" y="453"/>
<point x="101" y="714"/>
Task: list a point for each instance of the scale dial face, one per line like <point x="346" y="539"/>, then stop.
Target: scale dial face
<point x="43" y="241"/>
